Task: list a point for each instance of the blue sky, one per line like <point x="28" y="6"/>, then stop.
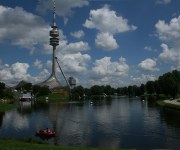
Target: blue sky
<point x="114" y="42"/>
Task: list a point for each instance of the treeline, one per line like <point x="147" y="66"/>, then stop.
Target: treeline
<point x="37" y="90"/>
<point x="5" y="93"/>
<point x="167" y="85"/>
<point x="10" y="93"/>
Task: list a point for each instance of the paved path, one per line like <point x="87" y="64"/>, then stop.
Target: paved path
<point x="172" y="102"/>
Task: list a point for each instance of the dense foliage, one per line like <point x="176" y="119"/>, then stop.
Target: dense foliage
<point x="40" y="91"/>
<point x="5" y="93"/>
<point x="35" y="89"/>
<point x="167" y="85"/>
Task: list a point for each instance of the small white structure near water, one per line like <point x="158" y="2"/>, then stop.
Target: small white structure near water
<point x="26" y="96"/>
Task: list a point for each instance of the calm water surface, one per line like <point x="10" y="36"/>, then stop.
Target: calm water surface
<point x="120" y="122"/>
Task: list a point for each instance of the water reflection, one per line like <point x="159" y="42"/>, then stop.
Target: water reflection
<point x="120" y="122"/>
<point x="14" y="122"/>
<point x="1" y="118"/>
<point x="171" y="117"/>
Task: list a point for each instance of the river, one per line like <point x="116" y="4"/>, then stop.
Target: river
<point x="121" y="122"/>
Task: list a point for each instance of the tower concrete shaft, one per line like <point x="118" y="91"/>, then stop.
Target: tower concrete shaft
<point x="54" y="61"/>
<point x="52" y="81"/>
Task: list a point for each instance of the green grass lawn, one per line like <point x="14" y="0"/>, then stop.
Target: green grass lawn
<point x="54" y="98"/>
<point x="32" y="145"/>
<point x="6" y="107"/>
<point x="167" y="105"/>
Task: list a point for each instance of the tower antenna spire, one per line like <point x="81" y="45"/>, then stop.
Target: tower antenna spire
<point x="54" y="13"/>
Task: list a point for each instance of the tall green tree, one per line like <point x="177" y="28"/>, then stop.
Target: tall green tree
<point x="176" y="75"/>
<point x="142" y="89"/>
<point x="44" y="90"/>
<point x="169" y="84"/>
<point x="157" y="87"/>
<point x="108" y="90"/>
<point x="35" y="89"/>
<point x="150" y="87"/>
<point x="125" y="91"/>
<point x="2" y="87"/>
<point x="96" y="90"/>
<point x="130" y="91"/>
<point x="8" y="93"/>
<point x="79" y="90"/>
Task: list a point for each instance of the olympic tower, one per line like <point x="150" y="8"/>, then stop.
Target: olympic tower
<point x="52" y="81"/>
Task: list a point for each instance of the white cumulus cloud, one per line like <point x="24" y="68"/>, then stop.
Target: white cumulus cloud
<point x="106" y="20"/>
<point x="106" y="41"/>
<point x="78" y="34"/>
<point x="72" y="48"/>
<point x="108" y="23"/>
<point x="14" y="73"/>
<point x="74" y="63"/>
<point x="20" y="28"/>
<point x="38" y="64"/>
<point x="169" y="34"/>
<point x="142" y="79"/>
<point x="63" y="7"/>
<point x="104" y="67"/>
<point x="107" y="72"/>
<point x="165" y="2"/>
<point x="150" y="49"/>
<point x="148" y="65"/>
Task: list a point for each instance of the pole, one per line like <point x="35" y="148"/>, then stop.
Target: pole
<point x="63" y="75"/>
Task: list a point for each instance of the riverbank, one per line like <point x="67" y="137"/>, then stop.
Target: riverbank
<point x="53" y="98"/>
<point x="175" y="104"/>
<point x="31" y="145"/>
<point x="5" y="107"/>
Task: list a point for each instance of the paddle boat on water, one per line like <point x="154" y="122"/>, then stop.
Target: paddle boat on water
<point x="46" y="133"/>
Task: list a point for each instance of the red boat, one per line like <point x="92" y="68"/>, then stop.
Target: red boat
<point x="46" y="132"/>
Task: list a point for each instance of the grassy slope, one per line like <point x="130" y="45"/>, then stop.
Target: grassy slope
<point x="6" y="107"/>
<point x="53" y="98"/>
<point x="167" y="105"/>
<point x="22" y="145"/>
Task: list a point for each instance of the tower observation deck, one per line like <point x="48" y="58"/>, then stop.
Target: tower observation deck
<point x="52" y="81"/>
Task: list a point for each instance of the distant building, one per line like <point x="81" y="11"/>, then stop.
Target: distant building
<point x="72" y="82"/>
<point x="26" y="96"/>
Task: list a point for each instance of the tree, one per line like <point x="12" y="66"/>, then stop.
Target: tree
<point x="35" y="89"/>
<point x="79" y="90"/>
<point x="2" y="87"/>
<point x="125" y="91"/>
<point x="8" y="93"/>
<point x="137" y="90"/>
<point x="142" y="89"/>
<point x="27" y="86"/>
<point x="44" y="90"/>
<point x="173" y="87"/>
<point x="79" y="93"/>
<point x="176" y="75"/>
<point x="87" y="92"/>
<point x="23" y="85"/>
<point x="150" y="87"/>
<point x="130" y="91"/>
<point x="96" y="90"/>
<point x="169" y="83"/>
<point x="108" y="90"/>
<point x="119" y="91"/>
<point x="157" y="87"/>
